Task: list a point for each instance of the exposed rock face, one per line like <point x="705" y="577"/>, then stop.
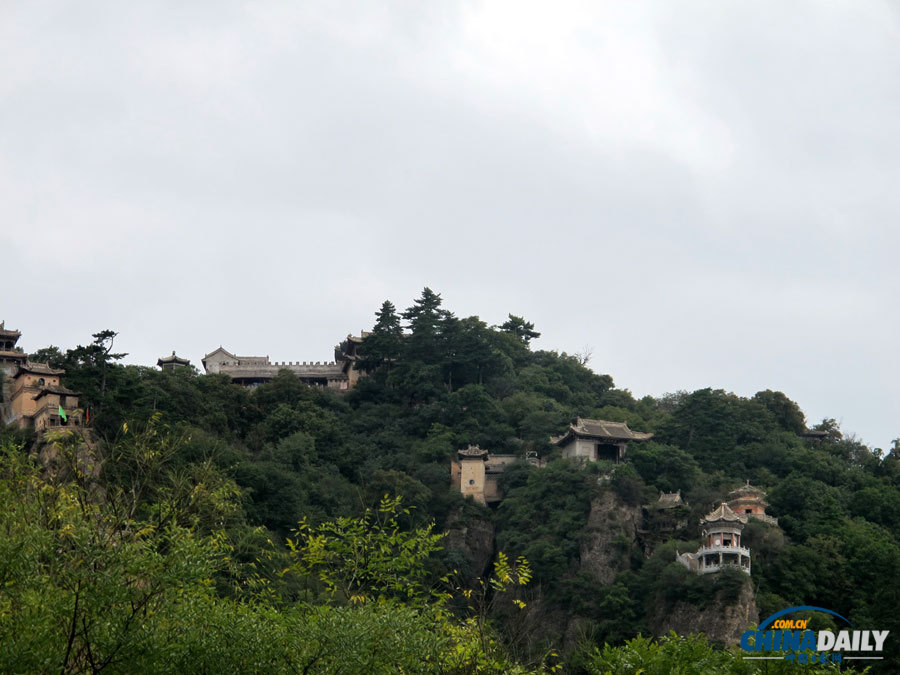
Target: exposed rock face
<point x="610" y="533"/>
<point x="474" y="537"/>
<point x="719" y="621"/>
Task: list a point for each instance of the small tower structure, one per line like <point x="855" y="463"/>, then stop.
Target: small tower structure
<point x="475" y="473"/>
<point x="11" y="356"/>
<point x="472" y="471"/>
<point x="750" y="502"/>
<point x="721" y="543"/>
<point x="170" y="363"/>
<point x="347" y="354"/>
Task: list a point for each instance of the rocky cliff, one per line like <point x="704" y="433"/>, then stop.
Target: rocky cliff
<point x="721" y="620"/>
<point x="472" y="538"/>
<point x="610" y="533"/>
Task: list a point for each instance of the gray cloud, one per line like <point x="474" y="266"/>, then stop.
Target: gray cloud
<point x="703" y="193"/>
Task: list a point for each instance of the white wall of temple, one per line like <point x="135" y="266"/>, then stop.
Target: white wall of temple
<point x="579" y="448"/>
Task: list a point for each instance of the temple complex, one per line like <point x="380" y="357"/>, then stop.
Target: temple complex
<point x="594" y="440"/>
<point x="475" y="472"/>
<point x="170" y="363"/>
<point x="38" y="400"/>
<point x="751" y="502"/>
<point x="11" y="356"/>
<point x="721" y="543"/>
<point x="251" y="371"/>
<point x="33" y="396"/>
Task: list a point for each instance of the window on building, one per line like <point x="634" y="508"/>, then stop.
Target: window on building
<point x="471" y="481"/>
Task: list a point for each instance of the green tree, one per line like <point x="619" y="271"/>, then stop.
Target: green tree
<point x="522" y="329"/>
<point x="424" y="318"/>
<point x="383" y="346"/>
<point x="84" y="585"/>
<point x="366" y="557"/>
<point x="787" y="413"/>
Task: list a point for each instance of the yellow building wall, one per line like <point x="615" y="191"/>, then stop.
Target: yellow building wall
<point x="472" y="479"/>
<point x="25" y="387"/>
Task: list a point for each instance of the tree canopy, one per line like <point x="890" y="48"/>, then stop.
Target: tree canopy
<point x="261" y="513"/>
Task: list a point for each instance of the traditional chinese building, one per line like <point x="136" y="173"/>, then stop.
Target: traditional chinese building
<point x="813" y="434"/>
<point x="721" y="547"/>
<point x="475" y="473"/>
<point x="593" y="440"/>
<point x="660" y="519"/>
<point x="11" y="356"/>
<point x="670" y="512"/>
<point x="669" y="500"/>
<point x="170" y="363"/>
<point x="251" y="371"/>
<point x="751" y="502"/>
<point x="38" y="399"/>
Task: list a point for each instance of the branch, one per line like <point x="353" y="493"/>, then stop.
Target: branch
<point x="71" y="631"/>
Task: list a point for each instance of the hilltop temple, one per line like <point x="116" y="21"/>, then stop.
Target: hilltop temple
<point x="751" y="502"/>
<point x="721" y="536"/>
<point x="171" y="363"/>
<point x="251" y="371"/>
<point x="595" y="440"/>
<point x="474" y="472"/>
<point x="11" y="356"/>
<point x="33" y="394"/>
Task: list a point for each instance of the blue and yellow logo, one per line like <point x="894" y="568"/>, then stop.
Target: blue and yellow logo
<point x="807" y="646"/>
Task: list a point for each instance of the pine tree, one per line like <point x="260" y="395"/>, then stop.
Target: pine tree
<point x="425" y="318"/>
<point x="382" y="347"/>
<point x="522" y="329"/>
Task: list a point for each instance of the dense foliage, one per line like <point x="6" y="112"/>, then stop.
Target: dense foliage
<point x="192" y="516"/>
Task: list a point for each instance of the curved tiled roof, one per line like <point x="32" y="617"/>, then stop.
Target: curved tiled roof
<point x="39" y="368"/>
<point x="585" y="428"/>
<point x="669" y="500"/>
<point x="8" y="332"/>
<point x="746" y="490"/>
<point x="473" y="451"/>
<point x="173" y="359"/>
<point x="52" y="389"/>
<point x="723" y="513"/>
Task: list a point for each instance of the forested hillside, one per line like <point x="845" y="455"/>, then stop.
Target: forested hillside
<point x="175" y="534"/>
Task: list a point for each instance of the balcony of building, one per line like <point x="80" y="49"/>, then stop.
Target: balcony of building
<point x="48" y="418"/>
<point x="714" y="558"/>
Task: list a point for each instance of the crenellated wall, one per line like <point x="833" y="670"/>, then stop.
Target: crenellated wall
<point x="255" y="370"/>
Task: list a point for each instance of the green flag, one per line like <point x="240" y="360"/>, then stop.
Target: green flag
<point x="62" y="414"/>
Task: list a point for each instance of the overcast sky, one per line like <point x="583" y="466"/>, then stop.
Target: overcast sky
<point x="706" y="193"/>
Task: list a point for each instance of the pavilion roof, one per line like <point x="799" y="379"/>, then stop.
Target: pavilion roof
<point x="746" y="490"/>
<point x="602" y="429"/>
<point x="173" y="359"/>
<point x="723" y="513"/>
